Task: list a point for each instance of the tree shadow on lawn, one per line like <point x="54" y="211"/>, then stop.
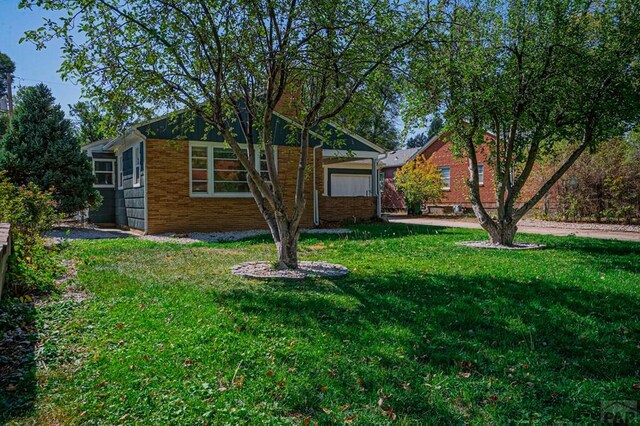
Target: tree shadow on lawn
<point x="608" y="255"/>
<point x="17" y="359"/>
<point x="536" y="344"/>
<point x="367" y="232"/>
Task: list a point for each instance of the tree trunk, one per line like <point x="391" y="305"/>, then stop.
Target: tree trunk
<point x="287" y="244"/>
<point x="287" y="250"/>
<point x="501" y="233"/>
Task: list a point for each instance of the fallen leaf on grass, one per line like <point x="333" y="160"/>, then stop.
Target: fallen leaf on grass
<point x="270" y="373"/>
<point x="464" y="375"/>
<point x="120" y="326"/>
<point x="382" y="398"/>
<point x="240" y="381"/>
<point x="350" y="419"/>
<point x="326" y="410"/>
<point x="344" y="407"/>
<point x="323" y="388"/>
<point x="390" y="413"/>
<point x="636" y="386"/>
<point x="11" y="388"/>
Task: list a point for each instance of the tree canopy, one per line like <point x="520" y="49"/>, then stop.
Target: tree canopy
<point x="39" y="147"/>
<point x="87" y="122"/>
<point x="535" y="73"/>
<point x="7" y="66"/>
<point x="418" y="140"/>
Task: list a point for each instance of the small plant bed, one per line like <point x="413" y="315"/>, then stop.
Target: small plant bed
<point x="490" y="245"/>
<point x="306" y="269"/>
<point x="420" y="330"/>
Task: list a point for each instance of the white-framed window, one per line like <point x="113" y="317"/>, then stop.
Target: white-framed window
<point x="481" y="174"/>
<point x="137" y="164"/>
<point x="445" y="176"/>
<point x="120" y="173"/>
<point x="104" y="172"/>
<point x="215" y="171"/>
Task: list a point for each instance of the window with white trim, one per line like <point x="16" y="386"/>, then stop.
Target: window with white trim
<point x="216" y="171"/>
<point x="120" y="173"/>
<point x="103" y="170"/>
<point x="137" y="164"/>
<point x="445" y="177"/>
<point x="481" y="174"/>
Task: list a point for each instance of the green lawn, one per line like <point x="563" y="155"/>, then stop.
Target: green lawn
<point x="421" y="331"/>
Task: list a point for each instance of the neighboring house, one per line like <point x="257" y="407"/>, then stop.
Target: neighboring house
<point x="160" y="178"/>
<point x="454" y="170"/>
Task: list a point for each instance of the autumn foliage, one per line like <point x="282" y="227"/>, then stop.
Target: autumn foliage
<point x="419" y="182"/>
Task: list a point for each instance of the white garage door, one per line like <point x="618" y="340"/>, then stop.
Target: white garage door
<point x="350" y="185"/>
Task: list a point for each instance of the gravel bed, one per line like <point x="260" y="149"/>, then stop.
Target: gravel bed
<point x="66" y="233"/>
<point x="216" y="237"/>
<point x="582" y="226"/>
<point x="305" y="269"/>
<point x="489" y="245"/>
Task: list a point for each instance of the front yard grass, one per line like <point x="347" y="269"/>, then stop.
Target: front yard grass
<point x="421" y="331"/>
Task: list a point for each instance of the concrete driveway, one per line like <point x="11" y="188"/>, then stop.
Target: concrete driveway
<point x="596" y="230"/>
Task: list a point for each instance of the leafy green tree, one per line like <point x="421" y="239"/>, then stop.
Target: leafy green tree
<point x="87" y="122"/>
<point x="374" y="111"/>
<point x="7" y="66"/>
<point x="435" y="126"/>
<point x="418" y="140"/>
<point x="419" y="181"/>
<point x="40" y="148"/>
<point x="535" y="73"/>
<point x="232" y="61"/>
<point x="4" y="124"/>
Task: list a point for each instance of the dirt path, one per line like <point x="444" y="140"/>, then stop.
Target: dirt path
<point x="603" y="231"/>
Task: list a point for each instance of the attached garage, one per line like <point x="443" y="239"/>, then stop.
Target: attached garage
<point x="350" y="185"/>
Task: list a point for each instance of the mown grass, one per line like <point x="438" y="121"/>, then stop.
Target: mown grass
<point x="422" y="331"/>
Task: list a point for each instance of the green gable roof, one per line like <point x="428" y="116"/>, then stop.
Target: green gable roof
<point x="285" y="132"/>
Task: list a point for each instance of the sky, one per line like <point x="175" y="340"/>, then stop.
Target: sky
<point x="33" y="66"/>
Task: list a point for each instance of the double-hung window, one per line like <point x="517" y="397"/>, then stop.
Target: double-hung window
<point x="481" y="174"/>
<point x="445" y="177"/>
<point x="216" y="171"/>
<point x="104" y="173"/>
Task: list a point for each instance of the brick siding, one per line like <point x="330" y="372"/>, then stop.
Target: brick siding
<point x="441" y="155"/>
<point x="172" y="209"/>
<point x="346" y="209"/>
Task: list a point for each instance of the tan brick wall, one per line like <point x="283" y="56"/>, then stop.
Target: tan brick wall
<point x="346" y="209"/>
<point x="172" y="209"/>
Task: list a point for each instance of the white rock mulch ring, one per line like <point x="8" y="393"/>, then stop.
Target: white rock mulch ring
<point x="305" y="269"/>
<point x="489" y="245"/>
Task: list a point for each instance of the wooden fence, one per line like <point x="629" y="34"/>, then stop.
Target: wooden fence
<point x="5" y="251"/>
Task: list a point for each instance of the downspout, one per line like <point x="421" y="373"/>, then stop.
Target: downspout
<point x="379" y="204"/>
<point x="316" y="209"/>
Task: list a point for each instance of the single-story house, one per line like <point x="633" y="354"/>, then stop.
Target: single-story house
<point x="164" y="176"/>
<point x="453" y="168"/>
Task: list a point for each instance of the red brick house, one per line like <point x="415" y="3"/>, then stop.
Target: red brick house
<point x="164" y="176"/>
<point x="454" y="170"/>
